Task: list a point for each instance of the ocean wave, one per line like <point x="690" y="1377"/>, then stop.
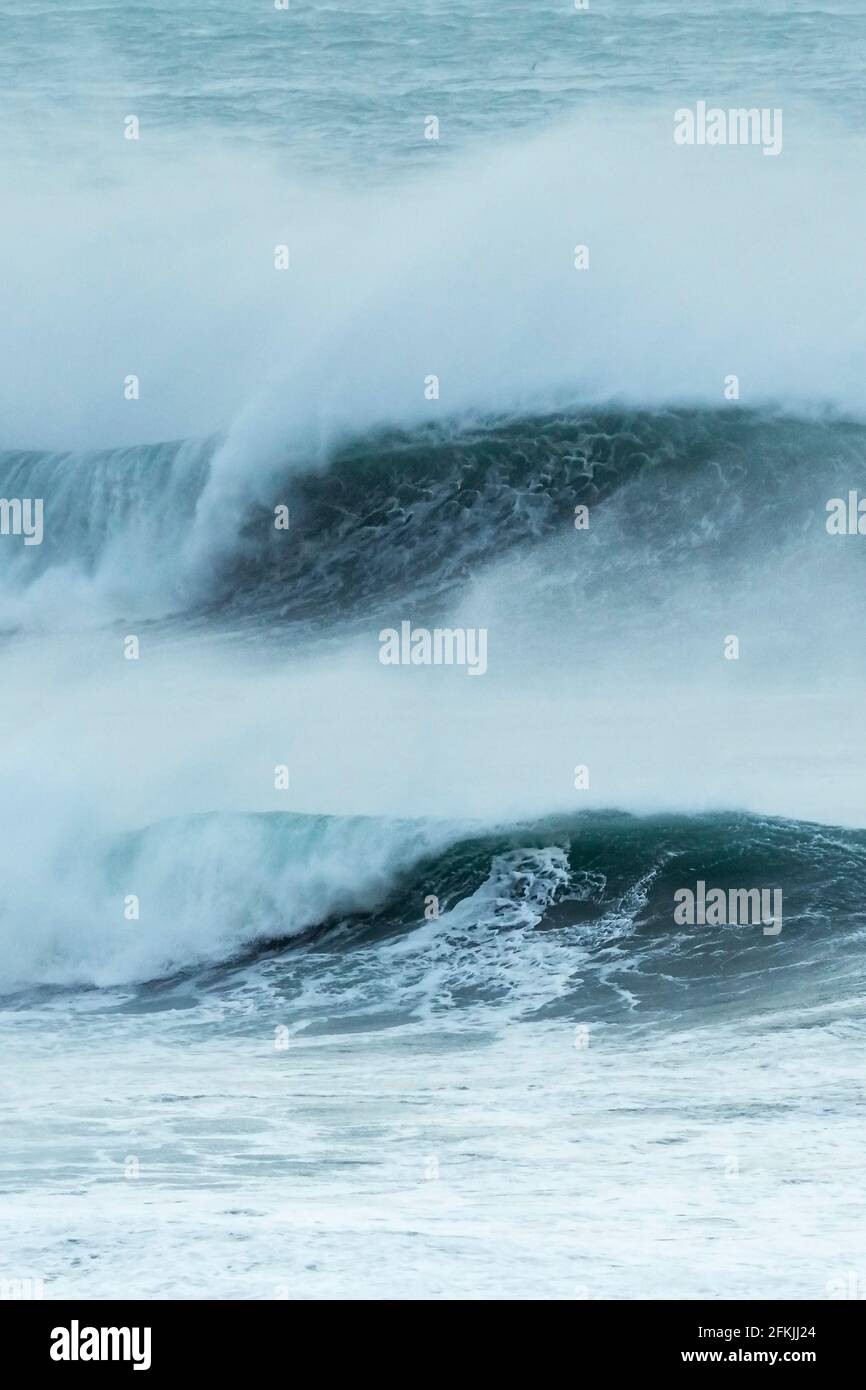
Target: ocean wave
<point x="409" y="513"/>
<point x="431" y="912"/>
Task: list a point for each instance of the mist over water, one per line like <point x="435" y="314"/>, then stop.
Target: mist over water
<point x="466" y="270"/>
<point x="305" y="908"/>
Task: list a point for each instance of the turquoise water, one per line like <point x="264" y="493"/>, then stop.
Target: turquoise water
<point x="349" y="86"/>
<point x="242" y="1056"/>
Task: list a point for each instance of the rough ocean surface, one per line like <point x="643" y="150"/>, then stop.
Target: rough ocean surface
<point x="289" y="1076"/>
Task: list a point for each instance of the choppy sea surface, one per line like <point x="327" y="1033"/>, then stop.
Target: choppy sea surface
<point x="324" y="978"/>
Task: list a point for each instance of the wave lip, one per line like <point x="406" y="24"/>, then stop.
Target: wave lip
<point x="187" y="893"/>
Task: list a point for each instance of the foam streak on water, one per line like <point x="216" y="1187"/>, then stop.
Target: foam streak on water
<point x="416" y="1020"/>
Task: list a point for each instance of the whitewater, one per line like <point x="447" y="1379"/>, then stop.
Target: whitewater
<point x="326" y="978"/>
